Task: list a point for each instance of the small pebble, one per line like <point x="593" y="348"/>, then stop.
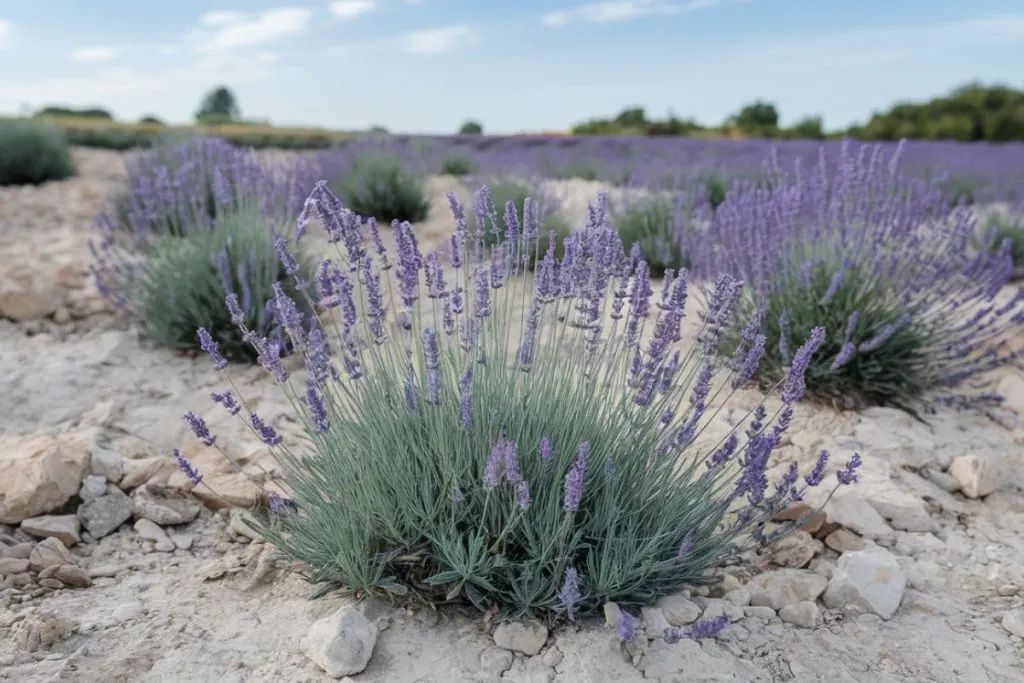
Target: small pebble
<point x="1008" y="590"/>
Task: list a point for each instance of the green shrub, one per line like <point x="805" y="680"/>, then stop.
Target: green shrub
<point x="582" y="171"/>
<point x="505" y="190"/>
<point x="651" y="223"/>
<point x="381" y="187"/>
<point x="1001" y="227"/>
<point x="458" y="166"/>
<point x="152" y="120"/>
<point x="471" y="128"/>
<point x="33" y="152"/>
<point x="180" y="285"/>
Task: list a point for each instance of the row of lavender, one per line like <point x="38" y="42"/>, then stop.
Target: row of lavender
<point x="517" y="420"/>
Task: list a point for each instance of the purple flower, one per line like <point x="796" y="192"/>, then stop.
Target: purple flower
<point x="845" y="355"/>
<point x="483" y="293"/>
<point x="226" y="399"/>
<point x="818" y="473"/>
<point x="207" y="343"/>
<point x="288" y="262"/>
<point x="708" y="628"/>
<point x="266" y="432"/>
<point x="200" y="428"/>
<point x="750" y="363"/>
<point x="795" y="386"/>
<point x="523" y="499"/>
<point x="494" y="473"/>
<point x="185" y="466"/>
<point x="569" y="594"/>
<point x="432" y="357"/>
<point x="317" y="408"/>
<point x="466" y="401"/>
<point x="573" y="484"/>
<point x="280" y="505"/>
<point x="546" y="454"/>
<point x="848" y="475"/>
<point x="626" y="627"/>
<point x="237" y="316"/>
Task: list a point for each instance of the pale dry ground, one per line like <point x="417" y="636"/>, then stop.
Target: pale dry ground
<point x="213" y="613"/>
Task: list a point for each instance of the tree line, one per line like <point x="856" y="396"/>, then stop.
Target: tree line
<point x="970" y="113"/>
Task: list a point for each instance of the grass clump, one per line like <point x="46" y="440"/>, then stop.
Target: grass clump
<point x="381" y="187"/>
<point x="489" y="436"/>
<point x="33" y="152"/>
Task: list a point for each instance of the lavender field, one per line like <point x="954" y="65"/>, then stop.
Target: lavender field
<point x="525" y="409"/>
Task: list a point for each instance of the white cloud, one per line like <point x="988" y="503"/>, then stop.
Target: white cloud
<point x="226" y="31"/>
<point x="5" y="31"/>
<point x="619" y="10"/>
<point x="434" y="41"/>
<point x="99" y="53"/>
<point x="350" y="9"/>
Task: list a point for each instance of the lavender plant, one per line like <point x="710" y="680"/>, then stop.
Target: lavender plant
<point x="379" y="186"/>
<point x="184" y="186"/>
<point x="458" y="165"/>
<point x="491" y="208"/>
<point x="883" y="264"/>
<point x="999" y="226"/>
<point x="542" y="442"/>
<point x="176" y="285"/>
<point x="33" y="152"/>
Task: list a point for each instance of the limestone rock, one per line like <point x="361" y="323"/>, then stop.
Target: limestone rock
<point x="93" y="487"/>
<point x="49" y="552"/>
<point x="978" y="475"/>
<point x="164" y="505"/>
<point x="527" y="637"/>
<point x="106" y="462"/>
<point x="72" y="575"/>
<point x="150" y="531"/>
<point x="870" y="579"/>
<point x="1013" y="622"/>
<point x="104" y="515"/>
<point x="143" y="470"/>
<point x="849" y="509"/>
<point x="795" y="550"/>
<point x="342" y="643"/>
<point x="782" y="587"/>
<point x="803" y="614"/>
<point x="39" y="474"/>
<point x="678" y="610"/>
<point x="66" y="528"/>
<point x="843" y="541"/>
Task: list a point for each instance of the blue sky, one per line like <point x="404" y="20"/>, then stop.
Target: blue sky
<point x="428" y="65"/>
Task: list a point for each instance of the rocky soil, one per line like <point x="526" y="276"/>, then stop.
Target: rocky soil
<point x="112" y="570"/>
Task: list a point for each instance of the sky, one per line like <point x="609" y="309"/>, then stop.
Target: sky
<point x="425" y="66"/>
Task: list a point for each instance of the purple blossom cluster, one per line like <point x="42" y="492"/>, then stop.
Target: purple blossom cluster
<point x="883" y="261"/>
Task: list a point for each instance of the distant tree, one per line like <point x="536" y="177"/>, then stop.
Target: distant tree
<point x="152" y="120"/>
<point x="471" y="128"/>
<point x="810" y="128"/>
<point x="632" y="116"/>
<point x="89" y="113"/>
<point x="757" y="118"/>
<point x="379" y="130"/>
<point x="219" y="104"/>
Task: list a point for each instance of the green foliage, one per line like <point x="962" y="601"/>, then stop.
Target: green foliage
<point x="458" y="166"/>
<point x="896" y="373"/>
<point x="380" y="186"/>
<point x="651" y="223"/>
<point x="471" y="128"/>
<point x="505" y="190"/>
<point x="67" y="112"/>
<point x="152" y="121"/>
<point x="218" y="106"/>
<point x="33" y="152"/>
<point x="759" y="119"/>
<point x="580" y="170"/>
<point x="181" y="288"/>
<point x="999" y="227"/>
<point x="634" y="121"/>
<point x="112" y="138"/>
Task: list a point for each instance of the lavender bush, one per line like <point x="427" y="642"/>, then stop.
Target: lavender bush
<point x="33" y="152"/>
<point x="655" y="224"/>
<point x="882" y="263"/>
<point x="178" y="285"/>
<point x="999" y="226"/>
<point x="185" y="185"/>
<point x="458" y="166"/>
<point x="381" y="187"/>
<point x="537" y="441"/>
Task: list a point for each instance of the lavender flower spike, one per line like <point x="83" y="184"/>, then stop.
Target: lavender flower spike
<point x="795" y="386"/>
<point x="207" y="343"/>
<point x="188" y="468"/>
<point x="267" y="433"/>
<point x="200" y="429"/>
<point x="569" y="595"/>
<point x="574" y="479"/>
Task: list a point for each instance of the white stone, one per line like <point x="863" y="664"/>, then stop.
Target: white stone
<point x="128" y="611"/>
<point x="106" y="463"/>
<point x="1013" y="622"/>
<point x="66" y="528"/>
<point x="527" y="637"/>
<point x="164" y="505"/>
<point x="678" y="610"/>
<point x="149" y="530"/>
<point x="849" y="509"/>
<point x="38" y="474"/>
<point x="978" y="475"/>
<point x="341" y="644"/>
<point x="495" y="661"/>
<point x="782" y="587"/>
<point x="93" y="487"/>
<point x="870" y="579"/>
<point x="803" y="614"/>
